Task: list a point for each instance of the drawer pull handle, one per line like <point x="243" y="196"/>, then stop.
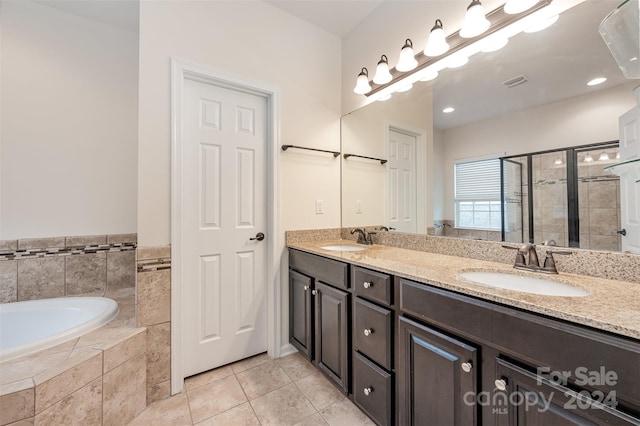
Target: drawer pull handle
<point x="306" y="287"/>
<point x="501" y="384"/>
<point x="314" y="292"/>
<point x="368" y="390"/>
<point x="367" y="284"/>
<point x="368" y="331"/>
<point x="466" y="367"/>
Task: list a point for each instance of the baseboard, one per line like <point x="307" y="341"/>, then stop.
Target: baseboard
<point x="287" y="349"/>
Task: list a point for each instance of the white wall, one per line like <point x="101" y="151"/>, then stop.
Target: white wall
<point x="69" y="124"/>
<point x="256" y="41"/>
<point x="581" y="120"/>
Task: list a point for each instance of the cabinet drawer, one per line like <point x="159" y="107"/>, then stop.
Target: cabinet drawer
<point x="327" y="270"/>
<point x="372" y="332"/>
<point x="372" y="285"/>
<point x="372" y="389"/>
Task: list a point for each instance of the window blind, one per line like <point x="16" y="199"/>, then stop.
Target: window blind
<point x="477" y="180"/>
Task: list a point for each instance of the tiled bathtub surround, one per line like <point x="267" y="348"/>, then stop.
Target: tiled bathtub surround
<point x="154" y="312"/>
<point x="66" y="266"/>
<point x="602" y="264"/>
<point x="98" y="378"/>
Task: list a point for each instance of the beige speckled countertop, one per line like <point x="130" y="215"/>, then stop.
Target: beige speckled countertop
<point x="612" y="306"/>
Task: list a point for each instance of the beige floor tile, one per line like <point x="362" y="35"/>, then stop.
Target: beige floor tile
<point x="314" y="420"/>
<point x="296" y="366"/>
<point x="248" y="363"/>
<point x="207" y="377"/>
<point x="285" y="406"/>
<point x="242" y="415"/>
<point x="262" y="379"/>
<point x="345" y="413"/>
<point x="319" y="390"/>
<point x="215" y="398"/>
<point x="172" y="411"/>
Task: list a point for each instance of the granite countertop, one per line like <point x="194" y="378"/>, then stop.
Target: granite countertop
<point x="612" y="306"/>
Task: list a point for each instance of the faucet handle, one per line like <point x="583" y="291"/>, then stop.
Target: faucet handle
<point x="549" y="261"/>
<point x="519" y="256"/>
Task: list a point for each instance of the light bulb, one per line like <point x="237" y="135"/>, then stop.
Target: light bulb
<point x="516" y="6"/>
<point x="362" y="83"/>
<point x="456" y="61"/>
<point x="383" y="98"/>
<point x="558" y="162"/>
<point x="588" y="158"/>
<point x="382" y="71"/>
<point x="407" y="60"/>
<point x="475" y="22"/>
<point x="437" y="43"/>
<point x="405" y="88"/>
<point x="493" y="43"/>
<point x="603" y="157"/>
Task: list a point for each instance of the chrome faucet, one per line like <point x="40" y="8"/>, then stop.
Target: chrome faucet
<point x="363" y="236"/>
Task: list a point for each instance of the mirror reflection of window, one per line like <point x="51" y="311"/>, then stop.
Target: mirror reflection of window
<point x="477" y="195"/>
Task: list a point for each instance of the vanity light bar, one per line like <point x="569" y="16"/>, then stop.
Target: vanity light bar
<point x="498" y="19"/>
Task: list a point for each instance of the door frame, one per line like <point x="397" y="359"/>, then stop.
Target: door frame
<point x="422" y="189"/>
<point x="180" y="72"/>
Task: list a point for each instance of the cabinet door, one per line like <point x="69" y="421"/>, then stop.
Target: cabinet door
<point x="332" y="333"/>
<point x="529" y="399"/>
<point x="433" y="388"/>
<point x="301" y="313"/>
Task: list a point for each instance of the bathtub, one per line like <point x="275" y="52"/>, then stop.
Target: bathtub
<point x="33" y="325"/>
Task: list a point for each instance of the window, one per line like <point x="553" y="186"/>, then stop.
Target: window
<point x="477" y="194"/>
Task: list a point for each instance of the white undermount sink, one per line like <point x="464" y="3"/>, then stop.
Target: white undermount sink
<point x="524" y="284"/>
<point x="343" y="247"/>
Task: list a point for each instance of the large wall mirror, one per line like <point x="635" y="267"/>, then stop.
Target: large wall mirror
<point x="529" y="97"/>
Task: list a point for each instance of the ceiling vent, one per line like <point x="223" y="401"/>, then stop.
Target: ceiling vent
<point x="516" y="81"/>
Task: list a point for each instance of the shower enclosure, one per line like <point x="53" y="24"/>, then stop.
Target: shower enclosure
<point x="563" y="195"/>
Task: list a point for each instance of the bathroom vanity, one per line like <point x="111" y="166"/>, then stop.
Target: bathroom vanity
<point x="410" y="342"/>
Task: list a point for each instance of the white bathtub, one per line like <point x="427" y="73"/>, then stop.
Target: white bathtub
<point x="30" y="326"/>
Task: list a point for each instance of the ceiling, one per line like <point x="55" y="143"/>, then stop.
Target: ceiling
<point x="557" y="61"/>
<point x="338" y="17"/>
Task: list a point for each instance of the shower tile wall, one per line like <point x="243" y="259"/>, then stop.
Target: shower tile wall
<point x="39" y="268"/>
<point x="550" y="199"/>
<point x="154" y="313"/>
<point x="599" y="205"/>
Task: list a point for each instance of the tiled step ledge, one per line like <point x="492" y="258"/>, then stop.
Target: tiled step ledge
<point x="98" y="378"/>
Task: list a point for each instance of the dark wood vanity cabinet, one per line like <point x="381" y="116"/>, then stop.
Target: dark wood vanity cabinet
<point x="319" y="314"/>
<point x="523" y="360"/>
<point x="332" y="333"/>
<point x="421" y="355"/>
<point x="436" y="376"/>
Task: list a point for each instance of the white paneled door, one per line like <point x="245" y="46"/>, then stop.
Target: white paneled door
<point x="402" y="182"/>
<point x="224" y="250"/>
<point x="630" y="180"/>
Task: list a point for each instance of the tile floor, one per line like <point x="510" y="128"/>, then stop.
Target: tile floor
<point x="256" y="391"/>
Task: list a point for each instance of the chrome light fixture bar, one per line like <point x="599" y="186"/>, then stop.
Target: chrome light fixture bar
<point x="498" y="19"/>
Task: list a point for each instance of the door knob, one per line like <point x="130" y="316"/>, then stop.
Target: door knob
<point x="306" y="287"/>
<point x="259" y="236"/>
<point x="501" y="384"/>
<point x="367" y="391"/>
<point x="466" y="367"/>
<point x="368" y="331"/>
<point x="314" y="292"/>
<point x="367" y="284"/>
<point x="622" y="232"/>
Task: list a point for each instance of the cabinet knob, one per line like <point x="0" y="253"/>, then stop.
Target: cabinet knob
<point x="306" y="287"/>
<point x="314" y="292"/>
<point x="466" y="366"/>
<point x="367" y="391"/>
<point x="501" y="384"/>
<point x="368" y="331"/>
<point x="367" y="284"/>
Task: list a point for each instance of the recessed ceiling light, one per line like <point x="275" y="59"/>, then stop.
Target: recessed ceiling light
<point x="596" y="81"/>
<point x="447" y="110"/>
